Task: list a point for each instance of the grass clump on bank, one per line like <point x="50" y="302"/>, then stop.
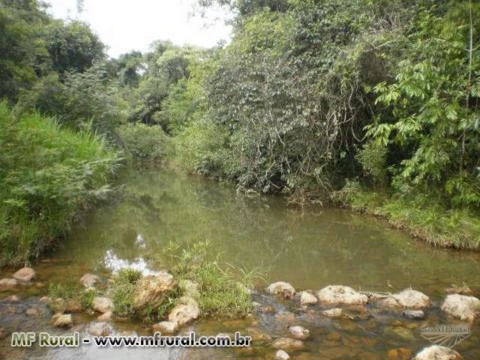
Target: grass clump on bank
<point x="49" y="176"/>
<point x="72" y="291"/>
<point x="221" y="292"/>
<point x="420" y="217"/>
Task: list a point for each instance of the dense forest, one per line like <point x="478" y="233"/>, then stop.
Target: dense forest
<point x="368" y="104"/>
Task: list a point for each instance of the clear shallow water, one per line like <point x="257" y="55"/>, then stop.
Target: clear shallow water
<point x="310" y="248"/>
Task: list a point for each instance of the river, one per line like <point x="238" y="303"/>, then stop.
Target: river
<point x="310" y="248"/>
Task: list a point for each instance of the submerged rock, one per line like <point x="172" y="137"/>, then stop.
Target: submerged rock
<point x="414" y="314"/>
<point x="62" y="320"/>
<point x="399" y="354"/>
<point x="166" y="327"/>
<point x="33" y="312"/>
<point x="462" y="307"/>
<point x="299" y="332"/>
<point x="287" y="344"/>
<point x="333" y="313"/>
<point x="307" y="298"/>
<point x="45" y="300"/>
<point x="24" y="274"/>
<point x="282" y="288"/>
<point x="257" y="334"/>
<point x="281" y="355"/>
<point x="341" y="295"/>
<point x="185" y="311"/>
<point x="150" y="291"/>
<point x="285" y="317"/>
<point x="73" y="306"/>
<point x="436" y="352"/>
<point x="102" y="304"/>
<point x="105" y="317"/>
<point x="89" y="280"/>
<point x="99" y="329"/>
<point x="7" y="284"/>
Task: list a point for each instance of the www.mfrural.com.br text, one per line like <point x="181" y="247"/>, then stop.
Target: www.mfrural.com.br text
<point x="45" y="339"/>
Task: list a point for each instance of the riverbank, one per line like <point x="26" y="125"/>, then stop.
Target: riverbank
<point x="50" y="175"/>
<point x="426" y="221"/>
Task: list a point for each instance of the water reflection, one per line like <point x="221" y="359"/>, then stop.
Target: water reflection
<point x="115" y="264"/>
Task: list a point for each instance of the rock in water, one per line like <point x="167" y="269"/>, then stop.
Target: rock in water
<point x="287" y="344"/>
<point x="185" y="311"/>
<point x="298" y="332"/>
<point x="150" y="291"/>
<point x="341" y="295"/>
<point x="6" y="284"/>
<point x="73" y="306"/>
<point x="333" y="313"/>
<point x="412" y="299"/>
<point x="89" y="280"/>
<point x="102" y="304"/>
<point x="99" y="329"/>
<point x="24" y="274"/>
<point x="307" y="298"/>
<point x="62" y="320"/>
<point x="166" y="327"/>
<point x="436" y="352"/>
<point x="462" y="307"/>
<point x="281" y="355"/>
<point x="105" y="317"/>
<point x="282" y="288"/>
<point x="414" y="314"/>
<point x="399" y="354"/>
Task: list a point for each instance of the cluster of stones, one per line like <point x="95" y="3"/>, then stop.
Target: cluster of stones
<point x="411" y="302"/>
<point x="150" y="292"/>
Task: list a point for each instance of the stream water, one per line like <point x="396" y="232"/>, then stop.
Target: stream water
<point x="309" y="248"/>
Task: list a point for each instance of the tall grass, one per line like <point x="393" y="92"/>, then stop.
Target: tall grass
<point x="422" y="216"/>
<point x="49" y="176"/>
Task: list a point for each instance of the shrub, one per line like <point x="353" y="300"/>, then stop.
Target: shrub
<point x="49" y="176"/>
<point x="143" y="142"/>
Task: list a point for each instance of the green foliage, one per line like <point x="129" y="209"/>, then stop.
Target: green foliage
<point x="22" y="52"/>
<point x="49" y="176"/>
<point x="422" y="216"/>
<point x="221" y="293"/>
<point x="124" y="290"/>
<point x="73" y="47"/>
<point x="143" y="142"/>
<point x="432" y="117"/>
<point x="71" y="291"/>
<point x="373" y="158"/>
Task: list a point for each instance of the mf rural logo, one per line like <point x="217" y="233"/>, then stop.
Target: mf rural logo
<point x="446" y="335"/>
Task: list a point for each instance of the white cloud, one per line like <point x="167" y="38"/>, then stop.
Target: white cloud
<point x="125" y="25"/>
